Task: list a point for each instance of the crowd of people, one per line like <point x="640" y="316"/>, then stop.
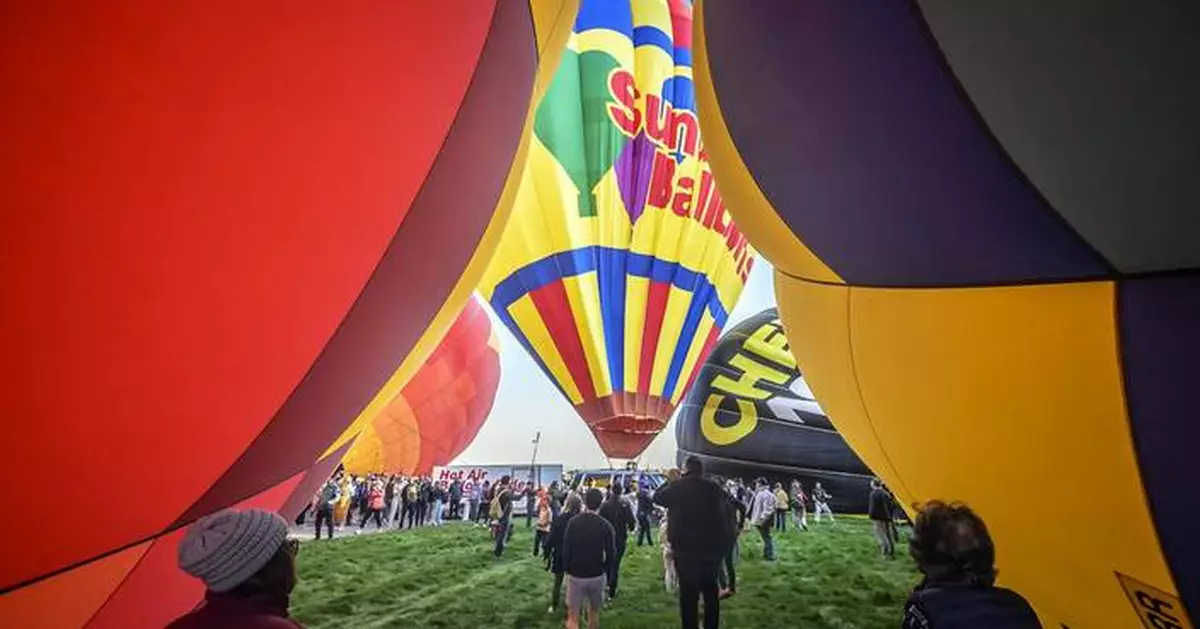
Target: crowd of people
<point x="395" y="502"/>
<point x="247" y="563"/>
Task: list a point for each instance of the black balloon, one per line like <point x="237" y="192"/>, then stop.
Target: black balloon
<point x="751" y="414"/>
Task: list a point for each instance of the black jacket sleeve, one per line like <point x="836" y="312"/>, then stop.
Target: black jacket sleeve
<point x="663" y="495"/>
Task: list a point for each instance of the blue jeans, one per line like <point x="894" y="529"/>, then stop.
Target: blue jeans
<point x="768" y="544"/>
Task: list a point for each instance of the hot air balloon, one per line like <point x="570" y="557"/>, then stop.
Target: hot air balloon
<point x="751" y="413"/>
<point x="441" y="409"/>
<point x="983" y="221"/>
<point x="211" y="244"/>
<point x="620" y="264"/>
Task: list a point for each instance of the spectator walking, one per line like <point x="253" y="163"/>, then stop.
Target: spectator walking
<point x="762" y="516"/>
<point x="645" y="506"/>
<point x="589" y="549"/>
<point x="327" y="500"/>
<point x="248" y="567"/>
<point x="618" y="513"/>
<point x="821" y="500"/>
<point x="954" y="551"/>
<point x="799" y="506"/>
<point x="698" y="520"/>
<point x="554" y="545"/>
<point x="879" y="509"/>
<point x="372" y="506"/>
<point x="391" y="496"/>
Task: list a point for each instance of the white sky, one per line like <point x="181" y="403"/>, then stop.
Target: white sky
<point x="527" y="402"/>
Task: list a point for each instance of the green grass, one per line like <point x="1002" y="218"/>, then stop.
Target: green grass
<point x="829" y="578"/>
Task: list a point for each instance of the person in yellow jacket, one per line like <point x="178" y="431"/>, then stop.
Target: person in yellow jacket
<point x="343" y="506"/>
<point x="781" y="507"/>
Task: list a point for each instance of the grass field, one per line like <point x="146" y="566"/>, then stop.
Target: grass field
<point x="829" y="578"/>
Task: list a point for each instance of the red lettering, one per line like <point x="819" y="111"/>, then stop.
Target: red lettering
<point x="732" y="235"/>
<point x="661" y="181"/>
<point x="706" y="182"/>
<point x="681" y="205"/>
<point x="714" y="208"/>
<point x="658" y="121"/>
<point x="720" y="216"/>
<point x="684" y="124"/>
<point x="624" y="112"/>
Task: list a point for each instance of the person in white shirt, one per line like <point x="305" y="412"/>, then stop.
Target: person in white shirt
<point x="821" y="500"/>
<point x="762" y="516"/>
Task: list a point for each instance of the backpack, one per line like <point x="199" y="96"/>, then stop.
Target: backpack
<point x="496" y="510"/>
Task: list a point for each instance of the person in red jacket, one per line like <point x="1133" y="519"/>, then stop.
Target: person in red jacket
<point x="247" y="564"/>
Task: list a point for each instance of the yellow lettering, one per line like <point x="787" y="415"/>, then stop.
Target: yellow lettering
<point x="719" y="435"/>
<point x="752" y="372"/>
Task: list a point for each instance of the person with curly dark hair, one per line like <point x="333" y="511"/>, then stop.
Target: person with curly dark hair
<point x="953" y="549"/>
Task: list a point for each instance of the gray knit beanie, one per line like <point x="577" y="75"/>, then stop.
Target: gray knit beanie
<point x="228" y="547"/>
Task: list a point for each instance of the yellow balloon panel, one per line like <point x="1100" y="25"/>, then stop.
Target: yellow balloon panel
<point x="1012" y="396"/>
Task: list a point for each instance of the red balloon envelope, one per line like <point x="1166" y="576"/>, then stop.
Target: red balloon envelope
<point x="225" y="226"/>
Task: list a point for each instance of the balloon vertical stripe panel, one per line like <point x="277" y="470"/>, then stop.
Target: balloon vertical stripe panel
<point x="620" y="264"/>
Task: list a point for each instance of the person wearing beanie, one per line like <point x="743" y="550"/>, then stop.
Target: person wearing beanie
<point x="247" y="564"/>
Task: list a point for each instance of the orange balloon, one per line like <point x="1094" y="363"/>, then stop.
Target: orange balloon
<point x="439" y="412"/>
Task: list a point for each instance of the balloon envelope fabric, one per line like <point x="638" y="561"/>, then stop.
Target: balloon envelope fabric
<point x="750" y="413"/>
<point x="441" y="409"/>
<point x="208" y="263"/>
<point x="620" y="264"/>
<point x="983" y="221"/>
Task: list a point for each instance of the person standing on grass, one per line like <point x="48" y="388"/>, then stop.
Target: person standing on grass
<point x="953" y="549"/>
<point x="645" y="506"/>
<point x="501" y="511"/>
<point x="616" y="510"/>
<point x="781" y="508"/>
<point x="372" y="507"/>
<point x="327" y="499"/>
<point x="762" y="516"/>
<point x="554" y="545"/>
<point x="544" y="520"/>
<point x="474" y="494"/>
<point x="248" y="566"/>
<point x="530" y="494"/>
<point x="487" y="493"/>
<point x="589" y="550"/>
<point x="799" y="508"/>
<point x="879" y="509"/>
<point x="727" y="583"/>
<point x="698" y="519"/>
<point x="456" y="496"/>
<point x="821" y="500"/>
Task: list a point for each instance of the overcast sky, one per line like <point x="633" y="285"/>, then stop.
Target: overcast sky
<point x="527" y="402"/>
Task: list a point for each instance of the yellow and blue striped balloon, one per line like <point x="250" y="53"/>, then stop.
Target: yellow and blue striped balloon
<point x="620" y="264"/>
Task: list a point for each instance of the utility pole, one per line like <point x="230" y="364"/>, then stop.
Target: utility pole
<point x="537" y="439"/>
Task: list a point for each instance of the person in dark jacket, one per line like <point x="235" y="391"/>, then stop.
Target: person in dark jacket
<point x="879" y="509"/>
<point x="247" y="564"/>
<point x="456" y="496"/>
<point x="503" y="514"/>
<point x="618" y="513"/>
<point x="953" y="549"/>
<point x="588" y="554"/>
<point x="698" y="519"/>
<point x="645" y="503"/>
<point x="554" y="545"/>
<point x="737" y="513"/>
